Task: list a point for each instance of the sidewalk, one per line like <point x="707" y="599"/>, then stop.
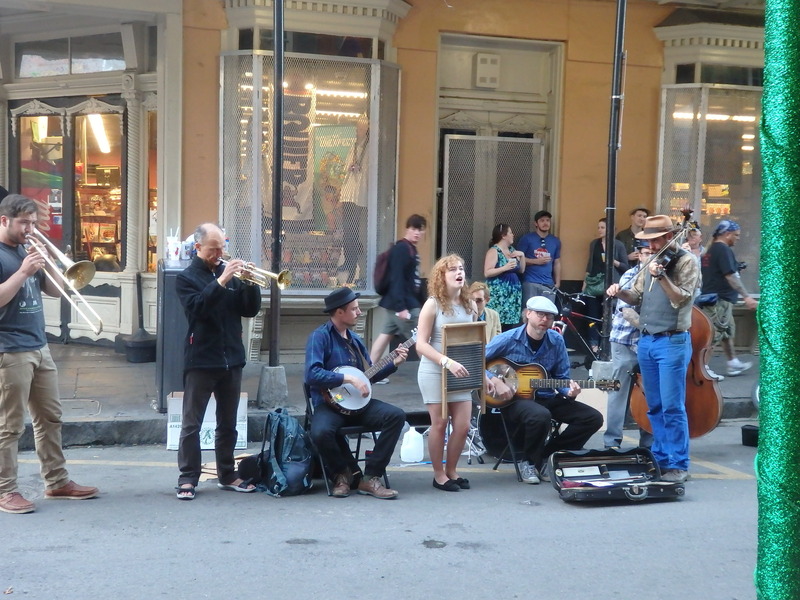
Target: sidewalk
<point x="108" y="400"/>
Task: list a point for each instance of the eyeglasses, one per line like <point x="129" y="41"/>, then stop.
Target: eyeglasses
<point x="544" y="315"/>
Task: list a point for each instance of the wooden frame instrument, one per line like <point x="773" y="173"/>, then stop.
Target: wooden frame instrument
<point x="465" y="343"/>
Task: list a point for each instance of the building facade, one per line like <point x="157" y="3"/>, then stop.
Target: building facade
<point x="469" y="112"/>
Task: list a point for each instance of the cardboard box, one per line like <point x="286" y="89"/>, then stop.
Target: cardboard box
<point x="174" y="417"/>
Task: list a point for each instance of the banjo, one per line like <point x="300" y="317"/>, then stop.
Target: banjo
<point x="346" y="399"/>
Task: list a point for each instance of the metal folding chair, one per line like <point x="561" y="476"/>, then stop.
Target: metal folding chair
<point x="348" y="432"/>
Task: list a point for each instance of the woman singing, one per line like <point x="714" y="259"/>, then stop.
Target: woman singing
<point x="449" y="302"/>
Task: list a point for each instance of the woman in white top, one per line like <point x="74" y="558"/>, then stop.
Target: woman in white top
<point x="449" y="302"/>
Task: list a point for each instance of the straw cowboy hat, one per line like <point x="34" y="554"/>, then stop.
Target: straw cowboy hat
<point x="656" y="226"/>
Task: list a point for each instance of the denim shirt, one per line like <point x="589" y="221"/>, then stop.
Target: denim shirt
<point x="552" y="354"/>
<point x="326" y="350"/>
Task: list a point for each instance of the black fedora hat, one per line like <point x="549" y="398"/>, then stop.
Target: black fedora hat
<point x="338" y="298"/>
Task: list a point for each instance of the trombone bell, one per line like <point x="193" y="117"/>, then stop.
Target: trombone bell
<point x="80" y="273"/>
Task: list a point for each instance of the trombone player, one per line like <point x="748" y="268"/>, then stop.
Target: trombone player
<point x="27" y="369"/>
<point x="214" y="298"/>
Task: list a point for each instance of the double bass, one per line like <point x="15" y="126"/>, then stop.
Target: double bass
<point x="703" y="398"/>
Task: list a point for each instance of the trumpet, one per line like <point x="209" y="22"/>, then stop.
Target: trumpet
<point x="75" y="275"/>
<point x="261" y="277"/>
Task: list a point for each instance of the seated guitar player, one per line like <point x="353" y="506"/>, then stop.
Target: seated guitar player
<point x="333" y="345"/>
<point x="537" y="343"/>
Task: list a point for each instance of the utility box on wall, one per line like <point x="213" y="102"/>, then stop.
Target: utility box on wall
<point x="487" y="71"/>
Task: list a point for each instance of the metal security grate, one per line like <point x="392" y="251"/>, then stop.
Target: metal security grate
<point x="339" y="165"/>
<point x="488" y="180"/>
<point x="710" y="162"/>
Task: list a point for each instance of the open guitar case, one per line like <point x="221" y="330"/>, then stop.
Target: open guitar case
<point x="609" y="475"/>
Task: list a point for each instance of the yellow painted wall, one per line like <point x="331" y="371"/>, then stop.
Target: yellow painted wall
<point x="587" y="29"/>
<point x="203" y="21"/>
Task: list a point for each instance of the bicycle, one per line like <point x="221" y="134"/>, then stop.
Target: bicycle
<point x="564" y="322"/>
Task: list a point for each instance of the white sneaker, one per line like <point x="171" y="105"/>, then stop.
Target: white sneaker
<point x="737" y="367"/>
<point x="528" y="472"/>
<point x="714" y="375"/>
<point x="383" y="381"/>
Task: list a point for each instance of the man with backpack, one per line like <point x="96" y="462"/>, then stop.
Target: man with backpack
<point x="400" y="286"/>
<point x="333" y="345"/>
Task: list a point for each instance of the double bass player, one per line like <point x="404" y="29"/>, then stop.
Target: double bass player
<point x="665" y="289"/>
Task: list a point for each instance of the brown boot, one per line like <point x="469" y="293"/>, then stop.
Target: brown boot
<point x="72" y="491"/>
<point x="341" y="485"/>
<point x="13" y="502"/>
<point x="372" y="486"/>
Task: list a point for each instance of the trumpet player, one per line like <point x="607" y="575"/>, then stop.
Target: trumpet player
<point x="27" y="369"/>
<point x="214" y="301"/>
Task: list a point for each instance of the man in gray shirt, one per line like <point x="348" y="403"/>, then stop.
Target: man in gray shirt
<point x="665" y="292"/>
<point x="28" y="372"/>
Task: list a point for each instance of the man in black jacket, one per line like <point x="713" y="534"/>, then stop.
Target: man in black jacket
<point x="214" y="302"/>
<point x="402" y="301"/>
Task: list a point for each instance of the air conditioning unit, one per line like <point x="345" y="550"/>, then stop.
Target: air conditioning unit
<point x="487" y="71"/>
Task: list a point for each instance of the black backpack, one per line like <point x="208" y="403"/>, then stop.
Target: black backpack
<point x="283" y="468"/>
<point x="380" y="274"/>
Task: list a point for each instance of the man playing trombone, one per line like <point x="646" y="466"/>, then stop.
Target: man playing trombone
<point x="27" y="369"/>
<point x="214" y="301"/>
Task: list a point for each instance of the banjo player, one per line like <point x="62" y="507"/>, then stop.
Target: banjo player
<point x="334" y="344"/>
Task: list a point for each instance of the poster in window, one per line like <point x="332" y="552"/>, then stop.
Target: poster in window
<point x="91" y="232"/>
<point x="108" y="233"/>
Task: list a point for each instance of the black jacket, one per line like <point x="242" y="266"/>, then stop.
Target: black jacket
<point x="214" y="313"/>
<point x="403" y="288"/>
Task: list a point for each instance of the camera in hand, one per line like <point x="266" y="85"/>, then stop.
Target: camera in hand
<point x="741" y="266"/>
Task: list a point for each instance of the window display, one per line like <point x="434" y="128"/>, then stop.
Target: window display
<point x="98" y="193"/>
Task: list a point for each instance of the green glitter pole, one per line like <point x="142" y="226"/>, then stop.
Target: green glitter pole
<point x="778" y="458"/>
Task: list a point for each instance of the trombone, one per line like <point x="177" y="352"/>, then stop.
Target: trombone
<point x="76" y="275"/>
<point x="261" y="277"/>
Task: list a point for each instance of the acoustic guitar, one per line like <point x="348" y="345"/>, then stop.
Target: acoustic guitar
<point x="346" y="399"/>
<point x="524" y="380"/>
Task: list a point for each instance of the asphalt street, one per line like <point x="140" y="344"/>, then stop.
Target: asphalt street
<point x="500" y="539"/>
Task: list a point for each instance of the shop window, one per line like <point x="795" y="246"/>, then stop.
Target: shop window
<point x="98" y="190"/>
<point x="339" y="170"/>
<point x="66" y="56"/>
<point x="41" y="163"/>
<point x="711" y="163"/>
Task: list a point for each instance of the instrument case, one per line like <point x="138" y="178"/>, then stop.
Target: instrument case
<point x="609" y="475"/>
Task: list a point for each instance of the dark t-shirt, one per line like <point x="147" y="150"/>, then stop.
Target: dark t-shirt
<point x="22" y="319"/>
<point x="716" y="263"/>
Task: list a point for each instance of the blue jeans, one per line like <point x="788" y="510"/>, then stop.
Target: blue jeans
<point x="663" y="361"/>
